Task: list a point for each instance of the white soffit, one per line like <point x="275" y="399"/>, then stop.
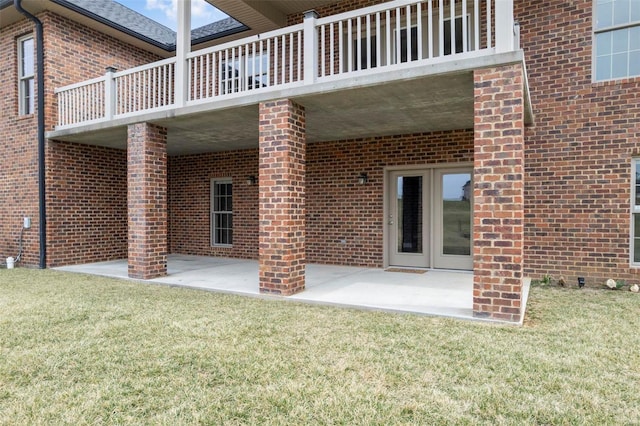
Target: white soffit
<point x="265" y="15"/>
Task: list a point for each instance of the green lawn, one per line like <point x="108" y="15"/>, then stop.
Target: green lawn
<point x="456" y="227"/>
<point x="78" y="349"/>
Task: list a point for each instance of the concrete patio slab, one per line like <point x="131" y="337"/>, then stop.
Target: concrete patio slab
<point x="428" y="292"/>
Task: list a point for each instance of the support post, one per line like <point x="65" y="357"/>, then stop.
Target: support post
<point x="183" y="48"/>
<point x="282" y="195"/>
<point x="310" y="47"/>
<point x="109" y="93"/>
<point x="504" y="26"/>
<point x="498" y="217"/>
<point x="147" y="200"/>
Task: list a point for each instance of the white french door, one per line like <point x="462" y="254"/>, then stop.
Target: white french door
<point x="453" y="218"/>
<point x="408" y="218"/>
<point x="429" y="215"/>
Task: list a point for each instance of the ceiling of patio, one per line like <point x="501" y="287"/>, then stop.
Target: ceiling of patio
<point x="433" y="103"/>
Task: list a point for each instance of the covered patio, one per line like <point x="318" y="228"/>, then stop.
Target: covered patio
<point x="293" y="146"/>
<point x="419" y="291"/>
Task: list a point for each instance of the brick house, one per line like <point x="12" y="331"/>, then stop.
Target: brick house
<point x="503" y="141"/>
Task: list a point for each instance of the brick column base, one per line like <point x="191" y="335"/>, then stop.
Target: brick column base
<point x="281" y="200"/>
<point x="498" y="229"/>
<point x="147" y="200"/>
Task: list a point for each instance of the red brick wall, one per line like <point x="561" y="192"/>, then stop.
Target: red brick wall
<point x="578" y="152"/>
<point x="190" y="200"/>
<point x="86" y="204"/>
<point x="498" y="233"/>
<point x="89" y="226"/>
<point x="337" y="207"/>
<point x="281" y="209"/>
<point x="147" y="200"/>
<point x="18" y="162"/>
<point x="72" y="53"/>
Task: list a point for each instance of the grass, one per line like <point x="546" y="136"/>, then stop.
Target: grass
<point x="456" y="227"/>
<point x="78" y="349"/>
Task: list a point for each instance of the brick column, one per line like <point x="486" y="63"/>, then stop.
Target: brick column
<point x="147" y="200"/>
<point x="281" y="204"/>
<point x="498" y="229"/>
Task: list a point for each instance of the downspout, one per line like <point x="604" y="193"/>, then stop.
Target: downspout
<point x="41" y="171"/>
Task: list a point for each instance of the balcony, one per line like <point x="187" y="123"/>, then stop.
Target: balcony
<point x="367" y="51"/>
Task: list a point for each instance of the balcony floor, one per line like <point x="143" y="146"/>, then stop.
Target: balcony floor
<point x="410" y="99"/>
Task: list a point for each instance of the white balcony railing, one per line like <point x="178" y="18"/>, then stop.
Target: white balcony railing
<point x="388" y="36"/>
<point x="273" y="59"/>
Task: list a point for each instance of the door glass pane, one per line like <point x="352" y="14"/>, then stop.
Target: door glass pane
<point x="456" y="214"/>
<point x="409" y="211"/>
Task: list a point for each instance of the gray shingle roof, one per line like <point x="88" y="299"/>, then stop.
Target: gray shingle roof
<point x="124" y="17"/>
<point x="216" y="29"/>
<point x="114" y="14"/>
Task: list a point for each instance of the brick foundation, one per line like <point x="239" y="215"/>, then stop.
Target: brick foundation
<point x="147" y="200"/>
<point x="281" y="197"/>
<point x="498" y="222"/>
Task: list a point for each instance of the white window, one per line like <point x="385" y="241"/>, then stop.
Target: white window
<point x="617" y="39"/>
<point x="26" y="90"/>
<point x="635" y="212"/>
<point x="221" y="212"/>
<point x="244" y="73"/>
<point x="364" y="53"/>
<point x="404" y="46"/>
<point x="459" y="38"/>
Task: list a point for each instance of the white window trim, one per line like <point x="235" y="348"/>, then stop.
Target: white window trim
<point x="215" y="181"/>
<point x="595" y="31"/>
<point x="634" y="209"/>
<point x="22" y="107"/>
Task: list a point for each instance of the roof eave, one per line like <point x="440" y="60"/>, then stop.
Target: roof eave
<point x="114" y="25"/>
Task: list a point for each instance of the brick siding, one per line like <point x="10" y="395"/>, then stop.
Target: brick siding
<point x="147" y="200"/>
<point x="190" y="203"/>
<point x="73" y="53"/>
<point x="19" y="159"/>
<point x="337" y="208"/>
<point x="577" y="157"/>
<point x="498" y="233"/>
<point x="578" y="152"/>
<point x="282" y="145"/>
<point x="86" y="204"/>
